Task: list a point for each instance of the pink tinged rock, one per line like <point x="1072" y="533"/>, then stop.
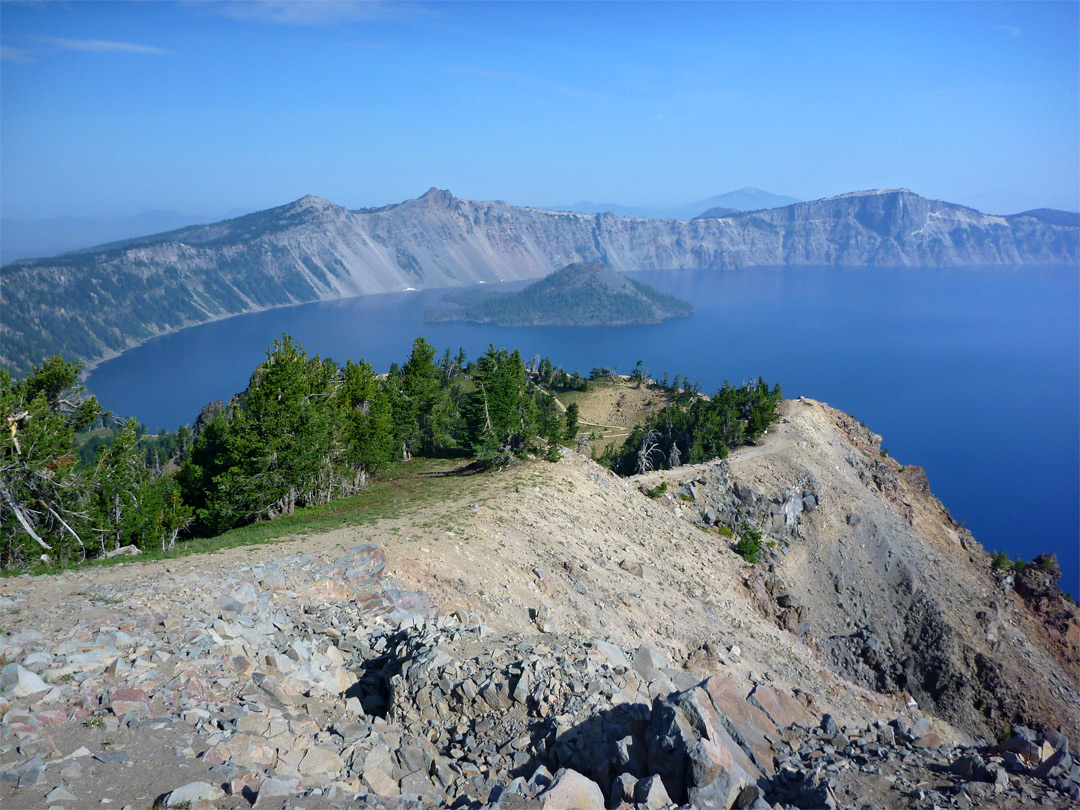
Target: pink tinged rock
<point x="781" y="707"/>
<point x="708" y="760"/>
<point x="244" y="782"/>
<point x="716" y="779"/>
<point x="729" y="698"/>
<point x="53" y="718"/>
<point x="124" y="699"/>
<point x="213" y="757"/>
<point x="572" y="790"/>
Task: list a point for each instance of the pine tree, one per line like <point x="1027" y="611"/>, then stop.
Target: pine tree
<point x="118" y="476"/>
<point x="43" y="493"/>
<point x="367" y="424"/>
<point x="572" y="415"/>
<point x="500" y="415"/>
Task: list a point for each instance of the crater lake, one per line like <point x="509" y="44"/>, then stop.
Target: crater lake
<point x="972" y="373"/>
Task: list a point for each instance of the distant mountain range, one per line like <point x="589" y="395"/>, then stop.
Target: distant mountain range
<point x="745" y="199"/>
<point x="47" y="237"/>
<point x="583" y="294"/>
<point x="94" y="303"/>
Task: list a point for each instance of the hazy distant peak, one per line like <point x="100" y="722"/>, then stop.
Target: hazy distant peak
<point x="873" y="192"/>
<point x="311" y="201"/>
<point x="436" y="196"/>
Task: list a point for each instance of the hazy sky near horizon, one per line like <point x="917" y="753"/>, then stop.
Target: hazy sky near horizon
<point x="203" y="107"/>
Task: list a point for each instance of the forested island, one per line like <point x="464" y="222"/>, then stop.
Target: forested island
<point x="581" y="294"/>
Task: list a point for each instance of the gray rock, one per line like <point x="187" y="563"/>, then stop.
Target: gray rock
<point x="60" y="795"/>
<point x="829" y="726"/>
<point x="32" y="776"/>
<point x="17" y="681"/>
<point x="193" y="792"/>
<point x="651" y="793"/>
<point x="542" y="619"/>
<point x="622" y="789"/>
<point x="111" y="757"/>
<point x="612" y="653"/>
<point x="971" y="766"/>
<point x="571" y="789"/>
<point x="648" y="663"/>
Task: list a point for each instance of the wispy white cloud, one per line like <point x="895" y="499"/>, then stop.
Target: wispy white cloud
<point x="101" y="46"/>
<point x="9" y="54"/>
<point x="1010" y="30"/>
<point x="315" y="12"/>
<point x="533" y="82"/>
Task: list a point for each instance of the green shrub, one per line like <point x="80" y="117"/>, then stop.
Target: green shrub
<point x="725" y="531"/>
<point x="749" y="545"/>
<point x="1001" y="561"/>
<point x="657" y="491"/>
<point x="1020" y="565"/>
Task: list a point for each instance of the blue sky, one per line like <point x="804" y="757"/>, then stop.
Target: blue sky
<point x="200" y="107"/>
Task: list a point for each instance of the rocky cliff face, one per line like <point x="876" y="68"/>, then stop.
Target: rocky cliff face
<point x="896" y="595"/>
<point x="100" y="301"/>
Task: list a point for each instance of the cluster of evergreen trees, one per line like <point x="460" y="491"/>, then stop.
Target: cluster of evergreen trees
<point x="304" y="432"/>
<point x="54" y="506"/>
<point x="694" y="429"/>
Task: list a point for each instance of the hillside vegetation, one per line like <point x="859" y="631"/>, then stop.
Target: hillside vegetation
<point x="304" y="433"/>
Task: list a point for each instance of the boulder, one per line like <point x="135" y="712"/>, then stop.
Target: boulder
<point x="193" y="792"/>
<point x="275" y="787"/>
<point x="651" y="793"/>
<point x="571" y="789"/>
<point x="320" y="761"/>
<point x="782" y="708"/>
<point x="729" y="698"/>
<point x="648" y="662"/>
<point x="61" y="795"/>
<point x="17" y="681"/>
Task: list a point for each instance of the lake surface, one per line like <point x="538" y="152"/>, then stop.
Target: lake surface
<point x="972" y="373"/>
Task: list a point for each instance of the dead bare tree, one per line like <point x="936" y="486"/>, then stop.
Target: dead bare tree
<point x="649" y="445"/>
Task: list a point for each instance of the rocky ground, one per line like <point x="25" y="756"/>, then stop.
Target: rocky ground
<point x="548" y="636"/>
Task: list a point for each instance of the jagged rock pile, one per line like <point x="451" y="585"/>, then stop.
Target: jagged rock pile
<point x="900" y="764"/>
<point x="711" y="499"/>
<point x="309" y="682"/>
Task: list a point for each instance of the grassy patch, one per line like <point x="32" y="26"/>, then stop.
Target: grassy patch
<point x="405" y="486"/>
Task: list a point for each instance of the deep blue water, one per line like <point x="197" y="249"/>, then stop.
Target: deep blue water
<point x="971" y="373"/>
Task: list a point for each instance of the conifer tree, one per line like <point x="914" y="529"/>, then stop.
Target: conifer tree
<point x="43" y="493"/>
